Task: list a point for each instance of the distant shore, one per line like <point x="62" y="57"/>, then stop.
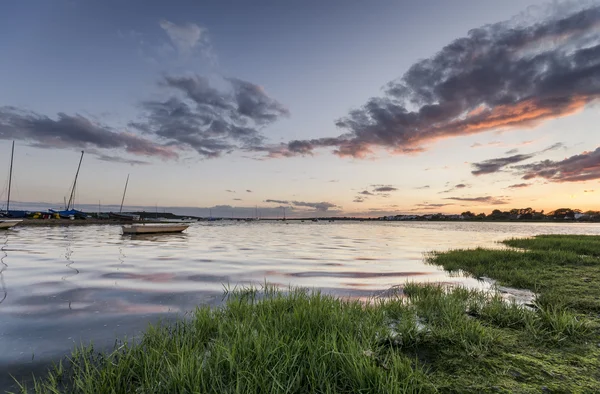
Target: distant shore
<point x="78" y="222"/>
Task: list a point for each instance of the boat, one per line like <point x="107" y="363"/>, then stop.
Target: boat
<point x="69" y="212"/>
<point x="153" y="228"/>
<point x="8" y="223"/>
<point x="124" y="216"/>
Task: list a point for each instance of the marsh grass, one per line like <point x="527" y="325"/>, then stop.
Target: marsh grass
<point x="563" y="270"/>
<point x="424" y="339"/>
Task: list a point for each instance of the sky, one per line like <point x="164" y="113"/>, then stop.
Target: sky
<point x="325" y="108"/>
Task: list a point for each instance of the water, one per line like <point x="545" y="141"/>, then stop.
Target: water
<point x="62" y="286"/>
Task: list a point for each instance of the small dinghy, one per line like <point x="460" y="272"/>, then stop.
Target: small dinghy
<point x="154" y="228"/>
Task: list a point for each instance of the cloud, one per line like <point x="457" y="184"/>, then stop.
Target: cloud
<point x="187" y="38"/>
<point x="210" y="121"/>
<point x="512" y="151"/>
<point x="76" y="131"/>
<point x="577" y="168"/>
<point x="588" y="191"/>
<point x="237" y="199"/>
<point x="494" y="165"/>
<point x="117" y="159"/>
<point x="385" y="189"/>
<point x="519" y="185"/>
<point x="429" y="206"/>
<point x="248" y="191"/>
<point x="492" y="143"/>
<point x="456" y="187"/>
<point x="358" y="199"/>
<point x="230" y="191"/>
<point x="318" y="206"/>
<point x="278" y="201"/>
<point x="500" y="76"/>
<point x="556" y="146"/>
<point x="423" y="187"/>
<point x="485" y="200"/>
<point x="366" y="193"/>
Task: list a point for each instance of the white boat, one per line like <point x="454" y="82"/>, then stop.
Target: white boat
<point x="153" y="228"/>
<point x="8" y="223"/>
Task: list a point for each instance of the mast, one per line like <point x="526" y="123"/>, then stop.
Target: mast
<point x="72" y="197"/>
<point x="12" y="155"/>
<point x="124" y="191"/>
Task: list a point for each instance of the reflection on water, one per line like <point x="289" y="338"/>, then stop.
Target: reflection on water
<point x="3" y="266"/>
<point x="63" y="285"/>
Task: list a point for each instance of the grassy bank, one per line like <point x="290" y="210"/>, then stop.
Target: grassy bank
<point x="426" y="339"/>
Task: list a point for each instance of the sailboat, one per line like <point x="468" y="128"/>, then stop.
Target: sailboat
<point x="7" y="223"/>
<point x="69" y="212"/>
<point x="121" y="215"/>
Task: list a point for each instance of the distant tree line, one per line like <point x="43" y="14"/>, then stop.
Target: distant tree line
<point x="532" y="214"/>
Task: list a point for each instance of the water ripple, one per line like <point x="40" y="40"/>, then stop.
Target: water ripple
<point x="58" y="284"/>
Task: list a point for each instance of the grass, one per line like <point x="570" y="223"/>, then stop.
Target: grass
<point x="563" y="269"/>
<point x="426" y="339"/>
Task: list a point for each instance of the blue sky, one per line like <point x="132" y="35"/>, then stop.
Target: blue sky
<point x="266" y="74"/>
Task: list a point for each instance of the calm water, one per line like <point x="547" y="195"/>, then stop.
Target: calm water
<point x="60" y="286"/>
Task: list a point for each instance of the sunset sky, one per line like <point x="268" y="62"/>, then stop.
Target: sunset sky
<point x="325" y="108"/>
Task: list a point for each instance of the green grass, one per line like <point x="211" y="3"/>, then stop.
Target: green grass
<point x="564" y="270"/>
<point x="426" y="339"/>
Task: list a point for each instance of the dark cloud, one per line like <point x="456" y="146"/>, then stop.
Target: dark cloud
<point x="248" y="191"/>
<point x="423" y="187"/>
<point x="577" y="168"/>
<point x="366" y="193"/>
<point x="74" y="132"/>
<point x="117" y="159"/>
<point x="253" y="102"/>
<point x="208" y="120"/>
<point x="237" y="199"/>
<point x="278" y="201"/>
<point x="494" y="165"/>
<point x="519" y="185"/>
<point x="385" y="189"/>
<point x="230" y="191"/>
<point x="318" y="206"/>
<point x="358" y="199"/>
<point x="556" y="146"/>
<point x="512" y="151"/>
<point x="499" y="76"/>
<point x="484" y="200"/>
<point x="456" y="187"/>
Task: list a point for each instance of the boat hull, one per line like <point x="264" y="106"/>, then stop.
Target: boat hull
<point x="5" y="224"/>
<point x="153" y="229"/>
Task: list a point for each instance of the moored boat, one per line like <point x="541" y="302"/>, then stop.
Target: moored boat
<point x="153" y="228"/>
